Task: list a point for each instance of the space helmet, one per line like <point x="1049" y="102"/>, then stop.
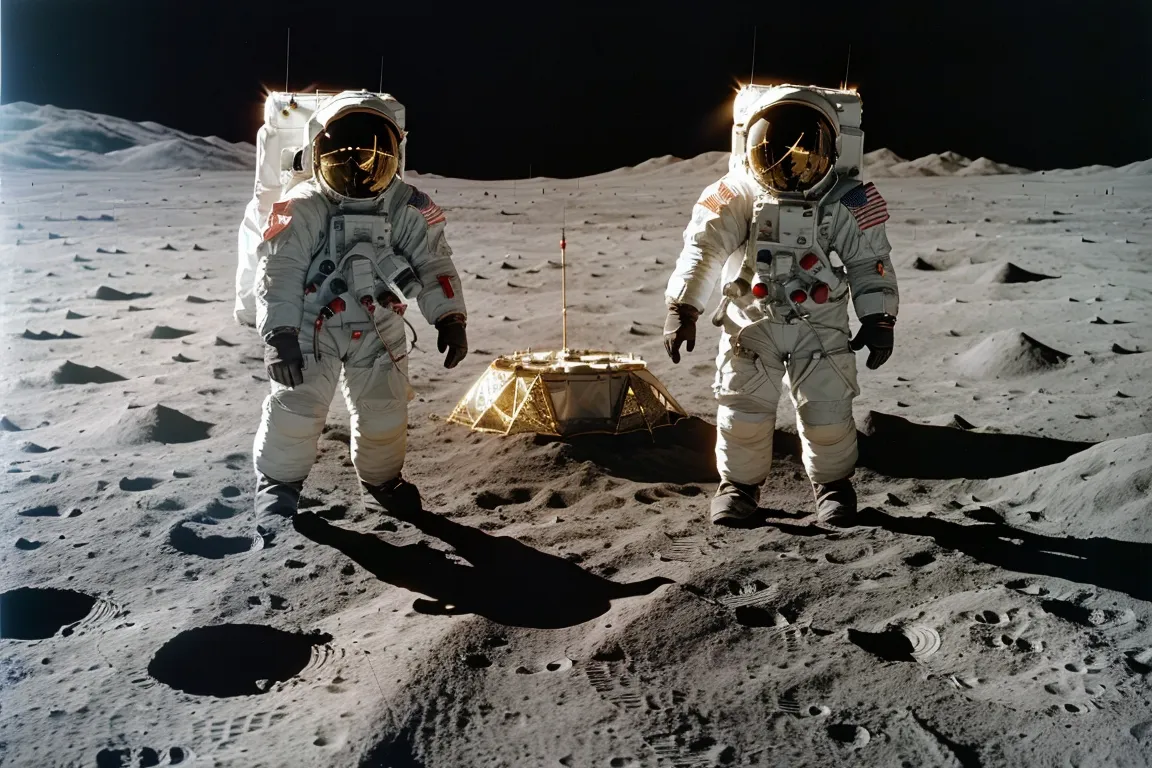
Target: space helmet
<point x="356" y="155"/>
<point x="791" y="147"/>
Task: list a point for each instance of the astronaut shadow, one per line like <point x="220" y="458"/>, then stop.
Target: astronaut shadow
<point x="681" y="452"/>
<point x="897" y="447"/>
<point x="1107" y="563"/>
<point x="506" y="581"/>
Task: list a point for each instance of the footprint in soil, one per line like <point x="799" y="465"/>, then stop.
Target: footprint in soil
<point x="666" y="491"/>
<point x="222" y="733"/>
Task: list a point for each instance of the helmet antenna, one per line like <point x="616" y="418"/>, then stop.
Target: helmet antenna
<point x="752" y="77"/>
<point x="844" y="86"/>
<point x="380" y="88"/>
<point x="287" y="57"/>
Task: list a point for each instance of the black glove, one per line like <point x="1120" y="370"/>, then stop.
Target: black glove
<point x="283" y="358"/>
<point x="876" y="334"/>
<point x="680" y="327"/>
<point x="451" y="337"/>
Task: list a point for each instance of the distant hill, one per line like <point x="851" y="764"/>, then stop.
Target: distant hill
<point x="52" y="138"/>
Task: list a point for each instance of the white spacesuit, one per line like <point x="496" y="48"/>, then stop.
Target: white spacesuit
<point x="340" y="255"/>
<point x="280" y="143"/>
<point x="791" y="199"/>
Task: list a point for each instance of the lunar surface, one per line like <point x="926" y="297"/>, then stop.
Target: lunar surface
<point x="566" y="603"/>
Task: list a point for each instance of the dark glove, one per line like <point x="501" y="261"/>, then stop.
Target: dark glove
<point x="283" y="358"/>
<point x="451" y="337"/>
<point x="680" y="327"/>
<point x="876" y="334"/>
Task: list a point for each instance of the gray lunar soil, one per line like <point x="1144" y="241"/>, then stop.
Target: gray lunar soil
<point x="565" y="603"/>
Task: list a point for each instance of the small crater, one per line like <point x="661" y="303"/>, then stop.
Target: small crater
<point x="1077" y="614"/>
<point x="854" y="735"/>
<point x="889" y="645"/>
<point x="477" y="661"/>
<point x="48" y="510"/>
<point x="189" y="538"/>
<point x="491" y="499"/>
<point x="920" y="559"/>
<point x="610" y="654"/>
<point x="32" y="613"/>
<point x="848" y="554"/>
<point x="232" y="659"/>
<point x="135" y="484"/>
<point x="556" y="500"/>
<point x="658" y="492"/>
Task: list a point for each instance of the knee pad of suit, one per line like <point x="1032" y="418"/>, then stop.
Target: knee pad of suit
<point x="744" y="426"/>
<point x="829" y="450"/>
<point x="744" y="445"/>
<point x="379" y="442"/>
<point x="376" y="426"/>
<point x="293" y="418"/>
<point x="825" y="413"/>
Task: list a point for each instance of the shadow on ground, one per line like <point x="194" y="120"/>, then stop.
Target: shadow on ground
<point x="897" y="447"/>
<point x="1106" y="563"/>
<point x="507" y="582"/>
<point x="682" y="452"/>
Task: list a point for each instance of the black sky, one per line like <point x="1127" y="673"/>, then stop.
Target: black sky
<point x="590" y="87"/>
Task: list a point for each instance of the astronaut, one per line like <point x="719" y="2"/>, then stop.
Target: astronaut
<point x="341" y="256"/>
<point x="791" y="200"/>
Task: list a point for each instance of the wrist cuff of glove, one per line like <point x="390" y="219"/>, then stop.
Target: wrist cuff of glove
<point x="684" y="311"/>
<point x="452" y="318"/>
<point x="882" y="319"/>
<point x="281" y="330"/>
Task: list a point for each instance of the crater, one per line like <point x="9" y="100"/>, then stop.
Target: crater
<point x="191" y="539"/>
<point x="33" y="613"/>
<point x="232" y="659"/>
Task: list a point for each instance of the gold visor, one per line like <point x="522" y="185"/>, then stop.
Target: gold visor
<point x="357" y="155"/>
<point x="791" y="147"/>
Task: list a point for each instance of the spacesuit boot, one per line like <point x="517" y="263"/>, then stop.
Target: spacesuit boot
<point x="276" y="504"/>
<point x="397" y="497"/>
<point x="836" y="503"/>
<point x="734" y="503"/>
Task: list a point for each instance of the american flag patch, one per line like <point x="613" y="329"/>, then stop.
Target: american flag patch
<point x="718" y="199"/>
<point x="867" y="206"/>
<point x="278" y="220"/>
<point x="432" y="213"/>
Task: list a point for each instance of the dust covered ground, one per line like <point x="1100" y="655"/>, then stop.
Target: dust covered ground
<point x="567" y="603"/>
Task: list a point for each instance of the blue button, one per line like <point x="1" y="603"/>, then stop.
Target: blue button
<point x="765" y="255"/>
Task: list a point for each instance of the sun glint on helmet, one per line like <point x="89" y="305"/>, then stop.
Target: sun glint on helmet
<point x="791" y="147"/>
<point x="357" y="154"/>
